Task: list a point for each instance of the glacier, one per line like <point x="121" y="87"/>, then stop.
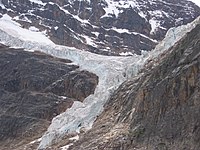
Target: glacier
<point x="111" y="70"/>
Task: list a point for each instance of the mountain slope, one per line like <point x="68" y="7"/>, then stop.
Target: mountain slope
<point x="157" y="110"/>
<point x="111" y="71"/>
<point x="34" y="88"/>
<point x="102" y="26"/>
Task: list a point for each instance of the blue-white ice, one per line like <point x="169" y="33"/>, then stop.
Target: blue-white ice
<point x="111" y="70"/>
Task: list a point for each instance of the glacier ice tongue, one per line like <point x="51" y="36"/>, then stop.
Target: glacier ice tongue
<point x="111" y="70"/>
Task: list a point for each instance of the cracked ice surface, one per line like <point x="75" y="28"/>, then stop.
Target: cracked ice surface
<point x="111" y="70"/>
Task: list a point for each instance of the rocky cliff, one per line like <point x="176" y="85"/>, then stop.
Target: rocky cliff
<point x="111" y="71"/>
<point x="157" y="110"/>
<point x="109" y="27"/>
<point x="34" y="88"/>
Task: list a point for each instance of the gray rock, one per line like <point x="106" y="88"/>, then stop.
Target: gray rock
<point x="34" y="88"/>
<point x="158" y="110"/>
<point x="71" y="23"/>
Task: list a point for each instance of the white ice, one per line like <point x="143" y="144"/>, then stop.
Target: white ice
<point x="2" y="5"/>
<point x="197" y="2"/>
<point x="111" y="70"/>
<point x="38" y="2"/>
<point x="154" y="25"/>
<point x="14" y="29"/>
<point x="114" y="7"/>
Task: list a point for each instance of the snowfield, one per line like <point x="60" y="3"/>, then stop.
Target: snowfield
<point x="15" y="29"/>
<point x="111" y="70"/>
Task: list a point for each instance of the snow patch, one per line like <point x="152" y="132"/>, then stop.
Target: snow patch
<point x="14" y="29"/>
<point x="66" y="147"/>
<point x="115" y="7"/>
<point x="135" y="33"/>
<point x="119" y="30"/>
<point x="197" y="2"/>
<point x="154" y="25"/>
<point x="34" y="29"/>
<point x="89" y="41"/>
<point x="2" y="5"/>
<point x="96" y="33"/>
<point x="24" y="18"/>
<point x="74" y="138"/>
<point x="126" y="54"/>
<point x="81" y="20"/>
<point x="111" y="70"/>
<point x="38" y="2"/>
<point x="37" y="140"/>
<point x="56" y="28"/>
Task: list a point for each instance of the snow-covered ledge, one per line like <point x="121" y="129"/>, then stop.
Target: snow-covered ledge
<point x="111" y="70"/>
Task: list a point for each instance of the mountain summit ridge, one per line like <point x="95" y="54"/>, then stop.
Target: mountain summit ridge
<point x="105" y="27"/>
<point x="111" y="70"/>
<point x="124" y="85"/>
<point x="158" y="110"/>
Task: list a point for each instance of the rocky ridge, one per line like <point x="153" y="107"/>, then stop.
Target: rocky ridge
<point x="109" y="27"/>
<point x="115" y="71"/>
<point x="158" y="109"/>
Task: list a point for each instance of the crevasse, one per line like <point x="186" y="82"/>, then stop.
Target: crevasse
<point x="111" y="70"/>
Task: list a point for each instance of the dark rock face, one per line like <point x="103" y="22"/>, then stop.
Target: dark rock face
<point x="105" y="27"/>
<point x="158" y="110"/>
<point x="34" y="88"/>
<point x="78" y="85"/>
